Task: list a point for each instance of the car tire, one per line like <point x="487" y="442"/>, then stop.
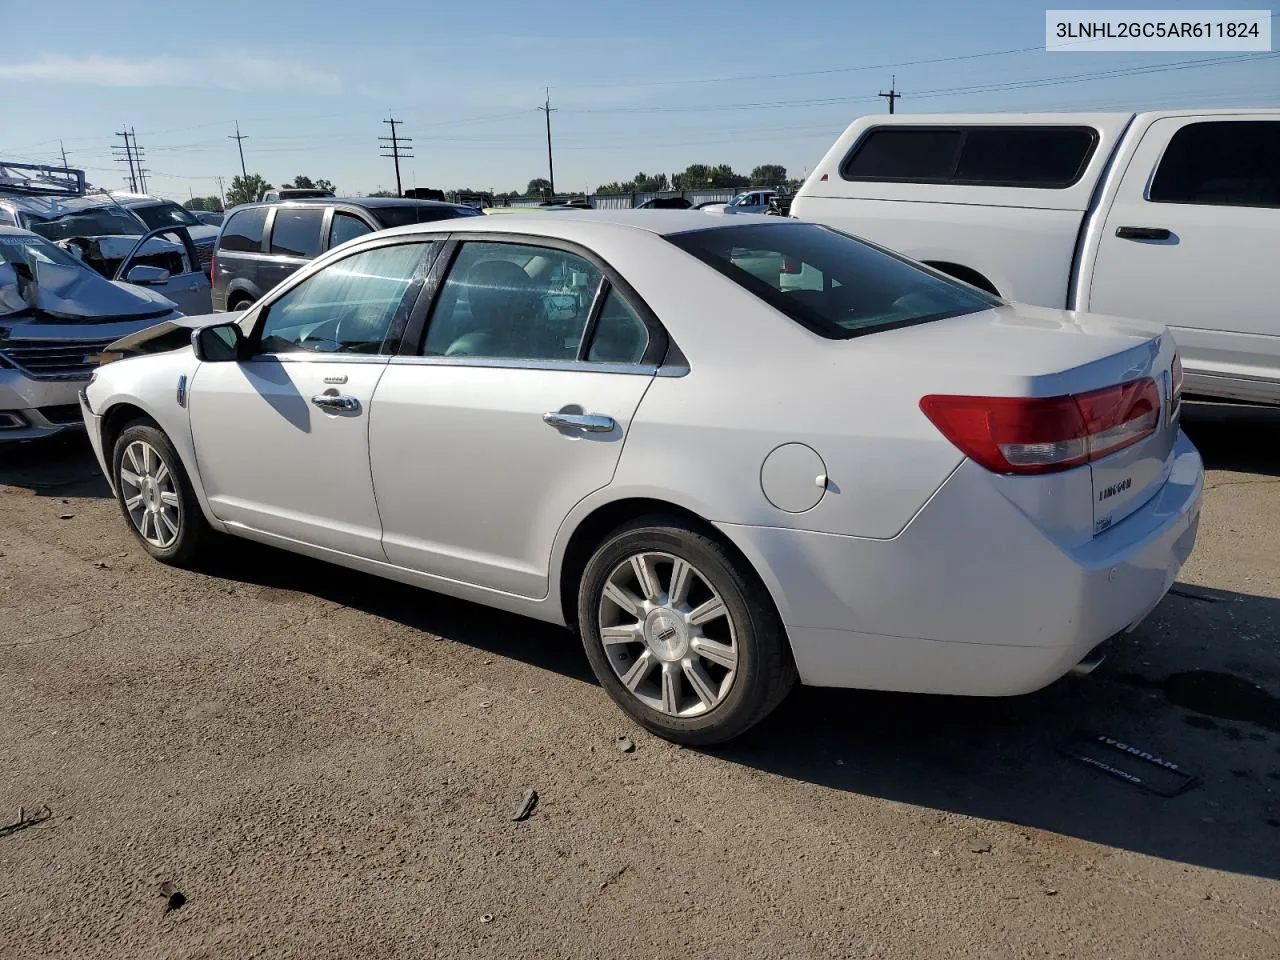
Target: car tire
<point x="699" y="661"/>
<point x="156" y="497"/>
<point x="240" y="303"/>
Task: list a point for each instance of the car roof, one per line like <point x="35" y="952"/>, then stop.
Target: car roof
<point x="56" y="206"/>
<point x="575" y="223"/>
<point x="367" y="201"/>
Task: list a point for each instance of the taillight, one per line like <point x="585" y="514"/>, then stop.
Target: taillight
<point x="792" y="265"/>
<point x="1028" y="435"/>
<point x="1175" y="390"/>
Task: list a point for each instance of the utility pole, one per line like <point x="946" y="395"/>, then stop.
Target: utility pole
<point x="221" y="193"/>
<point x="392" y="143"/>
<point x="137" y="156"/>
<point x="240" y="138"/>
<point x="127" y="158"/>
<point x="64" y="154"/>
<point x="551" y="169"/>
<point x="893" y="94"/>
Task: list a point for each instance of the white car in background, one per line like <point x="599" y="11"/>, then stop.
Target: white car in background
<point x="879" y="477"/>
<point x="753" y="201"/>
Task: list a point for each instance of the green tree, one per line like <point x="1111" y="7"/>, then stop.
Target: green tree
<point x="246" y="189"/>
<point x="538" y="187"/>
<point x="302" y="183"/>
<point x="769" y="174"/>
<point x="204" y="203"/>
<point x="383" y="193"/>
<point x="699" y="176"/>
<point x="323" y="184"/>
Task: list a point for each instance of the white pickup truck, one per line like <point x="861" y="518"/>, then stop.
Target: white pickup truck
<point x="1171" y="216"/>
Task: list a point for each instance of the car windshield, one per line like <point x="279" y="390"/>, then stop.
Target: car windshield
<point x="833" y="284"/>
<point x="157" y="215"/>
<point x="34" y="251"/>
<point x="90" y="222"/>
<point x="413" y="213"/>
<point x="739" y="200"/>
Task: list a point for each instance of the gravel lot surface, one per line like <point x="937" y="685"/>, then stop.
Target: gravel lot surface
<point x="327" y="765"/>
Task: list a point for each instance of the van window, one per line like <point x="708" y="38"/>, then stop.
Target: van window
<point x="243" y="230"/>
<point x="1041" y="157"/>
<point x="1229" y="163"/>
<point x="296" y="233"/>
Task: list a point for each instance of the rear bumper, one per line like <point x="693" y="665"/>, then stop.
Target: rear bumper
<point x="30" y="409"/>
<point x="971" y="598"/>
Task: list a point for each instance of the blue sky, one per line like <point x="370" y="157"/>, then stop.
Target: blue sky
<point x="653" y="86"/>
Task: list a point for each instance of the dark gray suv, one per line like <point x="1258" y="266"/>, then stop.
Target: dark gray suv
<point x="261" y="244"/>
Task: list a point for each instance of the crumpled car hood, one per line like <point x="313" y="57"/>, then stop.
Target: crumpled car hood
<point x="78" y="295"/>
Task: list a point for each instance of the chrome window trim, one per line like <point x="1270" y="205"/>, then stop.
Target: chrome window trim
<point x="305" y="356"/>
<point x="580" y="366"/>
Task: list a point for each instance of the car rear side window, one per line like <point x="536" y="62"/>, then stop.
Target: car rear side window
<point x="296" y="232"/>
<point x="829" y="282"/>
<point x="1041" y="157"/>
<point x="513" y="301"/>
<point x="243" y="230"/>
<point x="1229" y="163"/>
<point x="346" y="227"/>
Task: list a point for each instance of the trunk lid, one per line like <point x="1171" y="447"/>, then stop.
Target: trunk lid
<point x="1018" y="351"/>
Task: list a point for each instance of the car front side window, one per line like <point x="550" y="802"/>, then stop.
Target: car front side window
<point x="347" y="307"/>
<point x="513" y="301"/>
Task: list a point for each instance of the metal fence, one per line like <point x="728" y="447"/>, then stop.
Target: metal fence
<point x="626" y="201"/>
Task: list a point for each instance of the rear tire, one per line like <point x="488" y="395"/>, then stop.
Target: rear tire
<point x="156" y="496"/>
<point x="681" y="634"/>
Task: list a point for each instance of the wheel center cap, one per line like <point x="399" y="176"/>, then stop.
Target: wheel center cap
<point x="666" y="635"/>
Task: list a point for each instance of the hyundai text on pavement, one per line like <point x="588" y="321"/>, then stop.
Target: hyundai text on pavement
<point x="729" y="454"/>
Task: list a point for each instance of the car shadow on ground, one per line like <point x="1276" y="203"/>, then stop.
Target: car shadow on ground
<point x="59" y="466"/>
<point x="1182" y="688"/>
<point x="999" y="759"/>
<point x="539" y="644"/>
<point x="1235" y="437"/>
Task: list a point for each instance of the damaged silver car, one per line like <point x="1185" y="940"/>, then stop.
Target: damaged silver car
<point x="57" y="317"/>
<point x="105" y="235"/>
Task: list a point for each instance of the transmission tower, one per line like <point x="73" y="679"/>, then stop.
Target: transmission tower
<point x="393" y="143"/>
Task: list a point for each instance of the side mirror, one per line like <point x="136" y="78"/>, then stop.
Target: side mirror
<point x="221" y="343"/>
<point x="146" y="276"/>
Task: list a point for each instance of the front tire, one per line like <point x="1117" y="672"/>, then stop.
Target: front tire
<point x="156" y="496"/>
<point x="681" y="633"/>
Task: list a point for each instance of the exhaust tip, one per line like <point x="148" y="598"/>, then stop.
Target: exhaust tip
<point x="1092" y="660"/>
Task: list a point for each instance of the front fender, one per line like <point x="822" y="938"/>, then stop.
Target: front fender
<point x="150" y="384"/>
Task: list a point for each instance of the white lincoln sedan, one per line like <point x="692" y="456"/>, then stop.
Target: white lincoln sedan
<point x="730" y="455"/>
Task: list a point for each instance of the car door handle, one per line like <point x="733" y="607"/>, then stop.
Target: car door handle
<point x="587" y="422"/>
<point x="1142" y="233"/>
<point x="329" y="401"/>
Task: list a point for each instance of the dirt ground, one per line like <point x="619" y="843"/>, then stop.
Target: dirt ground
<point x="327" y="765"/>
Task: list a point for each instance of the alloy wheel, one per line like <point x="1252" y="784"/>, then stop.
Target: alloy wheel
<point x="668" y="634"/>
<point x="152" y="502"/>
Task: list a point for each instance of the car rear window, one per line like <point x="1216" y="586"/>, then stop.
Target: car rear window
<point x="829" y="282"/>
<point x="1024" y="156"/>
<point x="296" y="232"/>
<point x="412" y="213"/>
<point x="243" y="230"/>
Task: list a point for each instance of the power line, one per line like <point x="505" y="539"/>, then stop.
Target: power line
<point x="551" y="169"/>
<point x="947" y="91"/>
<point x="240" y="138"/>
<point x="392" y="143"/>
